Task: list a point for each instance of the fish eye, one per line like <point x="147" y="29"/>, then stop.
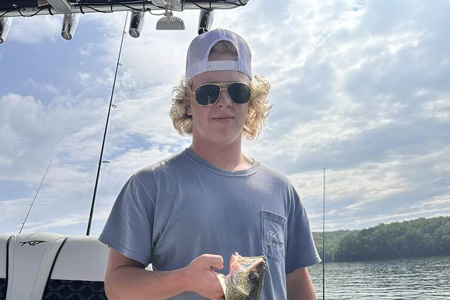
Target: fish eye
<point x="253" y="277"/>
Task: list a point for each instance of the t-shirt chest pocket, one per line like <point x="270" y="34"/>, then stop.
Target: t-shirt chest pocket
<point x="273" y="233"/>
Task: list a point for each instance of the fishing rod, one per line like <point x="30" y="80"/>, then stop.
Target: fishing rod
<point x="323" y="237"/>
<point x="106" y="128"/>
<point x="37" y="192"/>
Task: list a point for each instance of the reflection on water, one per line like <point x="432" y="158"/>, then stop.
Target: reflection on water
<point x="418" y="278"/>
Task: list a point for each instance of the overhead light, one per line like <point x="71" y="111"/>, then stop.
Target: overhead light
<point x="169" y="22"/>
<point x="136" y="22"/>
<point x="5" y="25"/>
<point x="62" y="6"/>
<point x="70" y="23"/>
<point x="205" y="21"/>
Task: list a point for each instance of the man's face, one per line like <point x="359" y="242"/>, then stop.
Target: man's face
<point x="221" y="123"/>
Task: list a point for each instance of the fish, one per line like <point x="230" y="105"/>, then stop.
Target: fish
<point x="245" y="279"/>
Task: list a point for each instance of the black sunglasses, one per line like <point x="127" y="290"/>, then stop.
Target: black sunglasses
<point x="208" y="94"/>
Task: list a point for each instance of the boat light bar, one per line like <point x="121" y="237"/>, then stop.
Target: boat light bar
<point x="70" y="23"/>
<point x="5" y="25"/>
<point x="61" y="6"/>
<point x="136" y="22"/>
<point x="205" y="21"/>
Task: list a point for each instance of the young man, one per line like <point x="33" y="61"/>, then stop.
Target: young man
<point x="187" y="214"/>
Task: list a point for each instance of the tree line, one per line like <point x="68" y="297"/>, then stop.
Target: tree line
<point x="414" y="238"/>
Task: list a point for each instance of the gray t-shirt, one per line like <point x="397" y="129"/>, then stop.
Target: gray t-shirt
<point x="182" y="207"/>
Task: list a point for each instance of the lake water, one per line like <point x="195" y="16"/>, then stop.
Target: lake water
<point x="413" y="278"/>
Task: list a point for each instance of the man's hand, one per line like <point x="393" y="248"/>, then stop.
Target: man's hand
<point x="201" y="278"/>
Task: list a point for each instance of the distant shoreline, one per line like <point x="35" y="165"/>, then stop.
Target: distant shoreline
<point x="408" y="239"/>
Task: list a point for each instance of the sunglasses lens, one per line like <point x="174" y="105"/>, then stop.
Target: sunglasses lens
<point x="207" y="94"/>
<point x="239" y="92"/>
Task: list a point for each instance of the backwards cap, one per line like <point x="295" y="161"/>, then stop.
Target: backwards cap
<point x="200" y="48"/>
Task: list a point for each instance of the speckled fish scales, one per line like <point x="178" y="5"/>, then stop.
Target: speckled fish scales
<point x="246" y="278"/>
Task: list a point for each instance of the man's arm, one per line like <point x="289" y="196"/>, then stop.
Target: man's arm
<point x="127" y="279"/>
<point x="299" y="285"/>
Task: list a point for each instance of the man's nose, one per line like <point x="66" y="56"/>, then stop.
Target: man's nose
<point x="224" y="99"/>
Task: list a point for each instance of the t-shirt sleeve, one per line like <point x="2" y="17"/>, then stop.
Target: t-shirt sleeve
<point x="129" y="229"/>
<point x="300" y="249"/>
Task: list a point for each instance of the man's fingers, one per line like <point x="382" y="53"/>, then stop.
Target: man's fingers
<point x="214" y="261"/>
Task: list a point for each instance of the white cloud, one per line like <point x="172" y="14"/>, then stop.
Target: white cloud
<point x="437" y="201"/>
<point x="399" y="188"/>
<point x="14" y="209"/>
<point x="29" y="132"/>
<point x="84" y="77"/>
<point x="438" y="109"/>
<point x="36" y="29"/>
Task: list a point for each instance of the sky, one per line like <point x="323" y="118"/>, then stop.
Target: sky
<point x="358" y="88"/>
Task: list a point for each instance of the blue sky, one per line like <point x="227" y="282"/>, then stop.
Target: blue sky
<point x="361" y="88"/>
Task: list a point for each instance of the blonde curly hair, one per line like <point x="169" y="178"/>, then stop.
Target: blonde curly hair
<point x="258" y="110"/>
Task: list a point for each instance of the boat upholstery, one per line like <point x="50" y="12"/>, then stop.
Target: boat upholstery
<point x="53" y="266"/>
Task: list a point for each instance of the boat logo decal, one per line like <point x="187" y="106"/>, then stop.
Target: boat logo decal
<point x="32" y="243"/>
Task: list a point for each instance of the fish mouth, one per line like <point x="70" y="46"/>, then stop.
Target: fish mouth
<point x="238" y="262"/>
<point x="249" y="265"/>
<point x="245" y="279"/>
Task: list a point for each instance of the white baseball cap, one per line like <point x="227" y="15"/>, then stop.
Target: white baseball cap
<point x="200" y="48"/>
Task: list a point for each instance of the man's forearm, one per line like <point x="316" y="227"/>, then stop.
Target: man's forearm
<point x="304" y="291"/>
<point x="128" y="282"/>
<point x="299" y="286"/>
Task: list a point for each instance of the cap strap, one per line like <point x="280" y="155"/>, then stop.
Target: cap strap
<point x="222" y="65"/>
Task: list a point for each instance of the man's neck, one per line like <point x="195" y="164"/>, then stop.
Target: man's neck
<point x="226" y="157"/>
